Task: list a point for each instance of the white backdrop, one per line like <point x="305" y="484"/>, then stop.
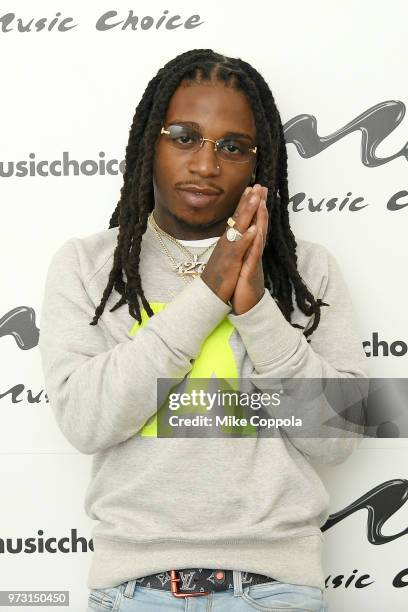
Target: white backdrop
<point x="73" y="93"/>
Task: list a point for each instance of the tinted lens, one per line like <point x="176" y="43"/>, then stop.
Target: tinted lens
<point x="183" y="137"/>
<point x="234" y="149"/>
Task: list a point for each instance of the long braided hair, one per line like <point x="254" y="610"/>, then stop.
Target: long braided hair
<point x="137" y="198"/>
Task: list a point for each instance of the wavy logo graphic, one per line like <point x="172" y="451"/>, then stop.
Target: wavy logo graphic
<point x="20" y="324"/>
<point x="375" y="124"/>
<point x="381" y="503"/>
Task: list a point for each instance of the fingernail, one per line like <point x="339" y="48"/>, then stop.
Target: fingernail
<point x="252" y="228"/>
<point x="247" y="190"/>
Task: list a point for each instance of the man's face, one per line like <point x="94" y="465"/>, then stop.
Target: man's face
<point x="217" y="110"/>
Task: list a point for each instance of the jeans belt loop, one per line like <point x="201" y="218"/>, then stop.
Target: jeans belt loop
<point x="130" y="589"/>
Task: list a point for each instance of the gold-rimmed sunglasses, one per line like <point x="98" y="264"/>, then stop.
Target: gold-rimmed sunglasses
<point x="230" y="148"/>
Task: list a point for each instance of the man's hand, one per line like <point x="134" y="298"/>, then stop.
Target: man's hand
<point x="250" y="286"/>
<point x="224" y="265"/>
<point x="230" y="261"/>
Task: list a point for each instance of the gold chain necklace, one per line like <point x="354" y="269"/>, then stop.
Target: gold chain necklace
<point x="193" y="267"/>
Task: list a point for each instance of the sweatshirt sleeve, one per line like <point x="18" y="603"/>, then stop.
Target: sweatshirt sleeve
<point x="102" y="396"/>
<point x="335" y="351"/>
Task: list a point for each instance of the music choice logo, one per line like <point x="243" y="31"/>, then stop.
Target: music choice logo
<point x="382" y="348"/>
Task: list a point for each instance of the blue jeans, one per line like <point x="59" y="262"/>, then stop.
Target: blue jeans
<point x="272" y="596"/>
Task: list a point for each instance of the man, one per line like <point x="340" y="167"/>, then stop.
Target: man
<point x="215" y="280"/>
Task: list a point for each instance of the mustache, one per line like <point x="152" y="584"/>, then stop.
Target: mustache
<point x="199" y="184"/>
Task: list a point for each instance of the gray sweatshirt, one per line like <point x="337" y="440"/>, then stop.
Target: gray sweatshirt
<point x="251" y="503"/>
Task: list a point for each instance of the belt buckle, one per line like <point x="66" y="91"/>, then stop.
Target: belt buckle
<point x="174" y="580"/>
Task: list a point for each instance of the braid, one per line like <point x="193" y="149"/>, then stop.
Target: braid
<point x="137" y="198"/>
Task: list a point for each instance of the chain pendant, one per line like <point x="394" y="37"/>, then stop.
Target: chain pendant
<point x="190" y="267"/>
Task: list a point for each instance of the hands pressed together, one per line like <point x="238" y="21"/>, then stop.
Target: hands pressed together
<point x="234" y="271"/>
